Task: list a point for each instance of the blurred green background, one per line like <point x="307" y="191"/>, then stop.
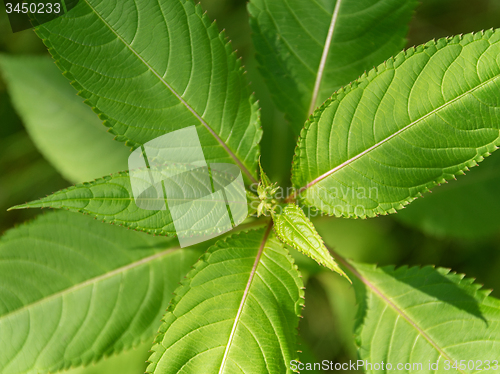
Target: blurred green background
<point x="458" y="226"/>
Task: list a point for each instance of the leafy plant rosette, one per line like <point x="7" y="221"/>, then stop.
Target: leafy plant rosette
<point x="75" y="290"/>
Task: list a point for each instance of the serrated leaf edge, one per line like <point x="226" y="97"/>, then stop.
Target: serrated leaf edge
<point x="363" y="80"/>
<point x="392" y="270"/>
<point x="202" y="263"/>
<point x="292" y="244"/>
<point x="111" y="123"/>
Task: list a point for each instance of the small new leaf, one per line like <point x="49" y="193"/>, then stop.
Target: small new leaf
<point x="296" y="230"/>
<point x="264" y="180"/>
<point x="266" y="191"/>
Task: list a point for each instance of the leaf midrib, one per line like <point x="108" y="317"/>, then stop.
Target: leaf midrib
<point x="91" y="281"/>
<point x="28" y="205"/>
<point x="382" y="142"/>
<point x="324" y="57"/>
<point x="398" y="310"/>
<point x="245" y="295"/>
<point x="302" y="235"/>
<point x="179" y="97"/>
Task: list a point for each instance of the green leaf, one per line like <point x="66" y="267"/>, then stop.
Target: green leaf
<point x="424" y="315"/>
<point x="111" y="199"/>
<point x="151" y="68"/>
<point x="309" y="49"/>
<point x="267" y="192"/>
<point x="74" y="290"/>
<point x="265" y="181"/>
<point x="66" y="132"/>
<point x="236" y="312"/>
<point x="414" y="122"/>
<point x="130" y="362"/>
<point x="296" y="230"/>
<point x="467" y="208"/>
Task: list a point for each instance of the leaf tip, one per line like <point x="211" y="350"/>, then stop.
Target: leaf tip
<point x="17" y="207"/>
<point x="340" y="272"/>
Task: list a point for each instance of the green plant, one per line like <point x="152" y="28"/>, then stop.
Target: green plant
<point x="75" y="290"/>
